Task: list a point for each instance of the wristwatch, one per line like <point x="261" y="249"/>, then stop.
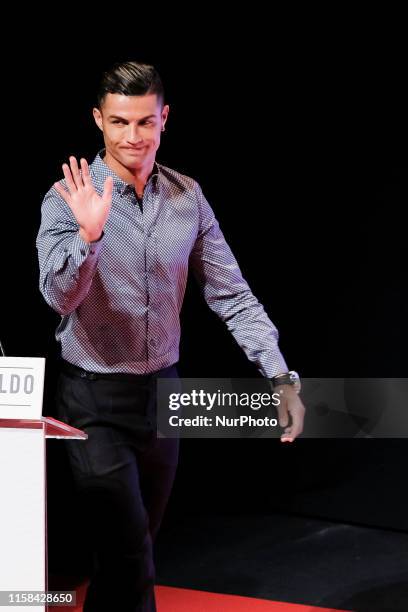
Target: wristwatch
<point x="289" y="378"/>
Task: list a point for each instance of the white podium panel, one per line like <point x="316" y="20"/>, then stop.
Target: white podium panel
<point x="23" y="528"/>
<point x="22" y="516"/>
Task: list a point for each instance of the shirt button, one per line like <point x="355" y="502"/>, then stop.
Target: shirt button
<point x="152" y="342"/>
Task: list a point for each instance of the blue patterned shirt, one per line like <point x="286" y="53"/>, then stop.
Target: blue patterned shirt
<point x="120" y="297"/>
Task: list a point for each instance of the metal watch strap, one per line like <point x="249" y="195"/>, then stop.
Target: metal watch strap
<point x="282" y="379"/>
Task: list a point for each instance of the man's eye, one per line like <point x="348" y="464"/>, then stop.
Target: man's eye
<point x="117" y="121"/>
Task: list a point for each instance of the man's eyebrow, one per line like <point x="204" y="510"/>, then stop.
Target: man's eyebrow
<point x="124" y="118"/>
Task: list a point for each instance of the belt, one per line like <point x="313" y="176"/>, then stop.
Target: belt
<point x="73" y="370"/>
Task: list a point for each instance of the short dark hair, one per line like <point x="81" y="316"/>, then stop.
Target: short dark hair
<point x="130" y="79"/>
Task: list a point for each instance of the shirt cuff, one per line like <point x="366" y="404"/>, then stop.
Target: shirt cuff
<point x="276" y="365"/>
<point x="82" y="250"/>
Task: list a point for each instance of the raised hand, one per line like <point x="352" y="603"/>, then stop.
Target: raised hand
<point x="89" y="208"/>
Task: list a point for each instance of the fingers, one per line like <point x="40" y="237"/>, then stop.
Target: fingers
<point x="62" y="191"/>
<point x="297" y="427"/>
<point x="287" y="437"/>
<point x="68" y="178"/>
<point x="283" y="414"/>
<point x="75" y="172"/>
<point x="289" y="434"/>
<point x="73" y="177"/>
<point x="296" y="410"/>
<point x="107" y="190"/>
<point x="294" y="430"/>
<point x="85" y="172"/>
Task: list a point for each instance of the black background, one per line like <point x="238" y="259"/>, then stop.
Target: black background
<point x="298" y="140"/>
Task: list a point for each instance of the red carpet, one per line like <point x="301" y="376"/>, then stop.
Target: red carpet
<point x="186" y="600"/>
<point x="170" y="599"/>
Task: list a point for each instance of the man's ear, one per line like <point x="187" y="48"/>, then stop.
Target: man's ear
<point x="98" y="118"/>
<point x="164" y="114"/>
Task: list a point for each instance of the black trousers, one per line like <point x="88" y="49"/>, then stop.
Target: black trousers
<point x="124" y="475"/>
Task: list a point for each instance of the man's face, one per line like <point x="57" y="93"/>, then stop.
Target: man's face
<point x="131" y="127"/>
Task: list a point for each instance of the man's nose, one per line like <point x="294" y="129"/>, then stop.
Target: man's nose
<point x="133" y="135"/>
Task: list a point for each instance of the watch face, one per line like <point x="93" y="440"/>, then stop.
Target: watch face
<point x="290" y="378"/>
<point x="295" y="379"/>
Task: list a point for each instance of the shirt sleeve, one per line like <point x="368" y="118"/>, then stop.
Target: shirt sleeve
<point x="229" y="296"/>
<point x="67" y="263"/>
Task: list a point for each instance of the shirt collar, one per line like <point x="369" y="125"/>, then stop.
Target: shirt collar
<point x="100" y="171"/>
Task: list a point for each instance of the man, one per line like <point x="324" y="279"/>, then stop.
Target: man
<point x="115" y="244"/>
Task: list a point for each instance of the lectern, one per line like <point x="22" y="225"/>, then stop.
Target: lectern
<point x="23" y="503"/>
